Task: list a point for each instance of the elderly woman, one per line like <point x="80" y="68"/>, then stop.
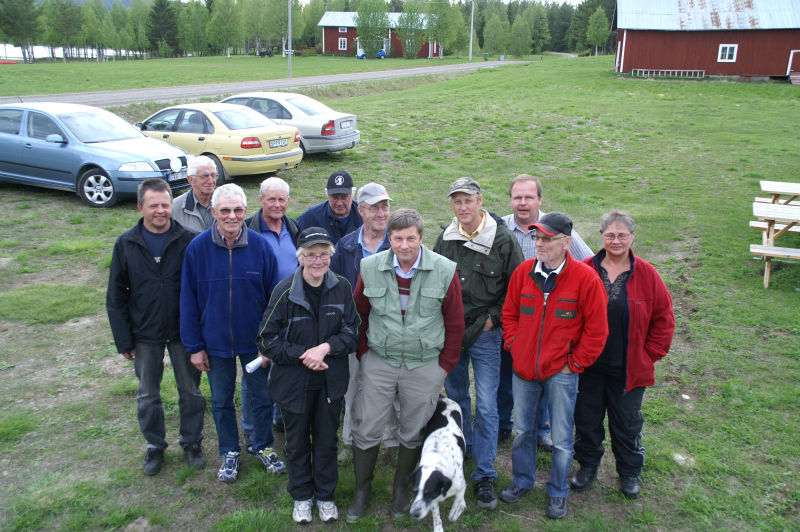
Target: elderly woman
<point x="308" y="330"/>
<point x="641" y="324"/>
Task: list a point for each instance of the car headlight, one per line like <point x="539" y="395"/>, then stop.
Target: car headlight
<point x="140" y="166"/>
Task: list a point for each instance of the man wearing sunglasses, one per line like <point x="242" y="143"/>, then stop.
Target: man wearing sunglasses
<point x="228" y="275"/>
<point x="554" y="326"/>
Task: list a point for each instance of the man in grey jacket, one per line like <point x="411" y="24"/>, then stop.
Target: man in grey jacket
<point x="192" y="209"/>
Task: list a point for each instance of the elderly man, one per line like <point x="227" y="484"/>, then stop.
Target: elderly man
<point x="339" y="215"/>
<point x="554" y="326"/>
<point x="412" y="321"/>
<point x="142" y="304"/>
<point x="486" y="254"/>
<point x="370" y="238"/>
<point x="526" y="197"/>
<point x="191" y="209"/>
<point x="228" y="274"/>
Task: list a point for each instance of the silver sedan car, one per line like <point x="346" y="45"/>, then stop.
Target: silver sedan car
<point x="322" y="129"/>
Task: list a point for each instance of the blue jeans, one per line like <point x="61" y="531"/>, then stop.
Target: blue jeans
<point x="247" y="409"/>
<point x="505" y="399"/>
<point x="485" y="356"/>
<point x="222" y="380"/>
<point x="148" y="363"/>
<point x="562" y="391"/>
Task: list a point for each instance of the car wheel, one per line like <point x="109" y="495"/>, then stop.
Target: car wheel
<point x="303" y="147"/>
<point x="222" y="175"/>
<point x="96" y="188"/>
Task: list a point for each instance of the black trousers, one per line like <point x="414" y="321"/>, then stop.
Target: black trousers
<point x="600" y="393"/>
<point x="311" y="446"/>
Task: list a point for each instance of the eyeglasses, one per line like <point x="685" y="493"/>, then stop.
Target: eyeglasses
<point x="226" y="211"/>
<point x="377" y="208"/>
<point x="207" y="176"/>
<point x="324" y="257"/>
<point x="547" y="239"/>
<point x="622" y="237"/>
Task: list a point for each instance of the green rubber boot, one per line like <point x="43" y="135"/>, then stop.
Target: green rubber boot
<point x="406" y="462"/>
<point x="364" y="467"/>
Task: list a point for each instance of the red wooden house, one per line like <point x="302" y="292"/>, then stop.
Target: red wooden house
<point x="339" y="36"/>
<point x="748" y="38"/>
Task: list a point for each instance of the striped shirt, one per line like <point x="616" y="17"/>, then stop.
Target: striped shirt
<point x="578" y="249"/>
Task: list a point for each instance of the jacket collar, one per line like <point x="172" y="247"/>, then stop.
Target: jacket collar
<point x="600" y="255"/>
<point x="481" y="243"/>
<point x="387" y="259"/>
<point x="297" y="294"/>
<point x="240" y="242"/>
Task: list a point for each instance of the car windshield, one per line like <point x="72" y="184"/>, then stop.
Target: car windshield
<point x="309" y="106"/>
<point x="243" y="118"/>
<point x="98" y="126"/>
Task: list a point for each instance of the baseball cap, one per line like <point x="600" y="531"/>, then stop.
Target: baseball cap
<point x="467" y="185"/>
<point x="372" y="193"/>
<point x="339" y="182"/>
<point x="313" y="235"/>
<point x="553" y="223"/>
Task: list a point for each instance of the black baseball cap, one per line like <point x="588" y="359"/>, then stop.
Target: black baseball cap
<point x="313" y="235"/>
<point x="553" y="223"/>
<point x="339" y="182"/>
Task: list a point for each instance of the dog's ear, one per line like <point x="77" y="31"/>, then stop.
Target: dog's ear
<point x="413" y="478"/>
<point x="440" y="482"/>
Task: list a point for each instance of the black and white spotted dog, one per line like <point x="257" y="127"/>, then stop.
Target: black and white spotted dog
<point x="441" y="466"/>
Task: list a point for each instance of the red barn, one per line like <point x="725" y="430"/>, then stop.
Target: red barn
<point x="749" y="38"/>
<point x="339" y="36"/>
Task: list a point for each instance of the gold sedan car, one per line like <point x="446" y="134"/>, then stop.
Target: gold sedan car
<point x="239" y="140"/>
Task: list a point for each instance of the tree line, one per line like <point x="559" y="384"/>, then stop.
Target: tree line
<point x="168" y="28"/>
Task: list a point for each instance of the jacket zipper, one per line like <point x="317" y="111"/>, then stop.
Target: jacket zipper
<point x="230" y="297"/>
<point x="541" y="333"/>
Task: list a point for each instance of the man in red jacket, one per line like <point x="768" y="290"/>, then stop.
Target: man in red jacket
<point x="554" y="326"/>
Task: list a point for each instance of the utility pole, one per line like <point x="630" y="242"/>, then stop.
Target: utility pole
<point x="290" y="51"/>
<point x="471" y="22"/>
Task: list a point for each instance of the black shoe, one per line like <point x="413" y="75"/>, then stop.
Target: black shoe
<point x="153" y="460"/>
<point x="630" y="487"/>
<point x="545" y="443"/>
<point x="278" y="426"/>
<point x="485" y="491"/>
<point x="503" y="435"/>
<point x="580" y="481"/>
<point x="194" y="457"/>
<point x="557" y="507"/>
<point x="512" y="494"/>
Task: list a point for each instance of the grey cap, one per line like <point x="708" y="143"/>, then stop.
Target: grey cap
<point x="467" y="185"/>
<point x="372" y="193"/>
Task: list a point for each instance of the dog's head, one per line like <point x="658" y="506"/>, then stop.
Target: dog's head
<point x="429" y="486"/>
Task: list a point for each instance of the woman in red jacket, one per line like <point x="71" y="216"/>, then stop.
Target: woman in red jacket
<point x="640" y="328"/>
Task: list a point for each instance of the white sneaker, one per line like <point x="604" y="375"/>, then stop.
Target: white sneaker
<point x="327" y="511"/>
<point x="302" y="511"/>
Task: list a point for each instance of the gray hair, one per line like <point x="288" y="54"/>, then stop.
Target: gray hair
<point x="299" y="253"/>
<point x="616" y="217"/>
<point x="273" y="183"/>
<point x="228" y="191"/>
<point x="402" y="219"/>
<point x="196" y="162"/>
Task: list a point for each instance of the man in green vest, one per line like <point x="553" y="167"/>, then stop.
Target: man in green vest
<point x="412" y="322"/>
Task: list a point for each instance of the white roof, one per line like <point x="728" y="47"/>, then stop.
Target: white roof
<point x="347" y="19"/>
<point x="697" y="15"/>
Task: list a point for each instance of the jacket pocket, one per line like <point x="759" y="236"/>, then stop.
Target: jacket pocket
<point x="377" y="298"/>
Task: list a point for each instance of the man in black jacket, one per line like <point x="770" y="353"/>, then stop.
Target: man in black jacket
<point x="142" y="304"/>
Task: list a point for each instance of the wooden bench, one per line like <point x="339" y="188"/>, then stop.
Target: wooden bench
<point x="781" y="228"/>
<point x="769" y="200"/>
<point x="770" y="252"/>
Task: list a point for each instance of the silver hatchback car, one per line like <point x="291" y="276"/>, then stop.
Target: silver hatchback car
<point x="82" y="149"/>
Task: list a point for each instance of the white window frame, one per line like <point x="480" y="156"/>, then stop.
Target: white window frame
<point x="727" y="48"/>
<point x="342" y="43"/>
<point x="342" y="29"/>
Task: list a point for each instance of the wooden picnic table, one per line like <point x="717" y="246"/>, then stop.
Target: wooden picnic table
<point x="780" y="188"/>
<point x="780" y="218"/>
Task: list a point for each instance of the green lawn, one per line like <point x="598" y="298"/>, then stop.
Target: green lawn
<point x="684" y="158"/>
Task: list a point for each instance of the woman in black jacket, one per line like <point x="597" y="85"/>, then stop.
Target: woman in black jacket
<point x="308" y="330"/>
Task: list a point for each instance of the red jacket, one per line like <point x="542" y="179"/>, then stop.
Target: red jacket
<point x="571" y="328"/>
<point x="650" y="320"/>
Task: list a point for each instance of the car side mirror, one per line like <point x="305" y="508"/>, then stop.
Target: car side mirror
<point x="55" y="139"/>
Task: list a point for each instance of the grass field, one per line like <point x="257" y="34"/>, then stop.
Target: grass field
<point x="682" y="157"/>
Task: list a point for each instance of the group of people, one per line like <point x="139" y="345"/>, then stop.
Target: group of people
<point x="346" y="311"/>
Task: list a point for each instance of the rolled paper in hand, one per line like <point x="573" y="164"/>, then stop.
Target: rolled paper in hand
<point x="254" y="365"/>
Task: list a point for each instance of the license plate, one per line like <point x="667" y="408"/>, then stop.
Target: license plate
<point x="345" y="124"/>
<point x="279" y="143"/>
<point x="177" y="176"/>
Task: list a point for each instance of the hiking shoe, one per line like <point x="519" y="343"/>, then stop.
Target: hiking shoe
<point x="229" y="469"/>
<point x="302" y="511"/>
<point x="271" y="461"/>
<point x="512" y="493"/>
<point x="485" y="491"/>
<point x="153" y="460"/>
<point x="557" y="507"/>
<point x="327" y="511"/>
<point x="545" y="443"/>
<point x="194" y="457"/>
<point x="580" y="481"/>
<point x="630" y="487"/>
